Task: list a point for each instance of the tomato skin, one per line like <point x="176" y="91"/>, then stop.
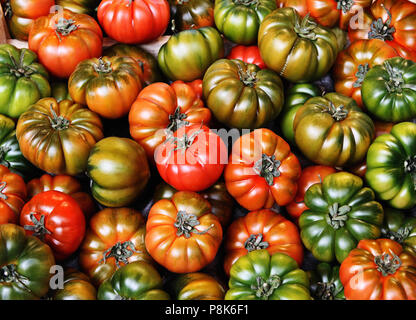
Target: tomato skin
<point x="280" y="234"/>
<point x="68" y="143"/>
<point x="178" y="253"/>
<point x="60" y="53"/>
<point x="60" y="91"/>
<point x="248" y="54"/>
<point x="193" y="14"/>
<point x="251" y="190"/>
<point x="134" y="281"/>
<point x="156" y="104"/>
<point x="99" y="84"/>
<point x="65" y="184"/>
<point x="196" y="286"/>
<point x="259" y="266"/>
<point x="239" y="21"/>
<point x="64" y="221"/>
<point x="195" y="167"/>
<point x="325" y="283"/>
<point x="32" y="260"/>
<point x="79" y="6"/>
<point x="309" y="176"/>
<point x="137" y="21"/>
<point x="77" y="286"/>
<point x="301" y="6"/>
<point x="188" y="54"/>
<point x="362" y="279"/>
<point x="12" y="196"/>
<point x="107" y="228"/>
<point x="359" y="53"/>
<point x="119" y="171"/>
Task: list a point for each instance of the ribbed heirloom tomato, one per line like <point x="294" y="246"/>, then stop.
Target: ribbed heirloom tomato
<point x="262" y="170"/>
<point x="134" y="21"/>
<point x="196" y="286"/>
<point x="191" y="14"/>
<point x="325" y="283"/>
<point x="76" y="286"/>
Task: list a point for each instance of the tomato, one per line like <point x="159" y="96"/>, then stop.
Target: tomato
<point x="115" y="237"/>
<point x="79" y="6"/>
<point x="135" y="281"/>
<point x="298" y="49"/>
<point x="57" y="137"/>
<point x="22" y="13"/>
<point x="10" y="154"/>
<point x="295" y="98"/>
<point x="134" y="21"/>
<point x="242" y="95"/>
<point x="301" y="6"/>
<point x="389" y="90"/>
<point x="188" y="54"/>
<point x="147" y="62"/>
<point x="108" y="86"/>
<point x="64" y="39"/>
<point x="191" y="14"/>
<point x="24" y="259"/>
<point x="331" y="130"/>
<point x="239" y="20"/>
<point x="325" y="283"/>
<point x="65" y="184"/>
<point x="119" y="171"/>
<point x="60" y="91"/>
<point x="353" y="63"/>
<point x="221" y="201"/>
<point x="391" y="166"/>
<point x="56" y="219"/>
<point x="310" y="176"/>
<point x="261" y="276"/>
<point x="336" y="12"/>
<point x="341" y="213"/>
<point x="379" y="270"/>
<point x="12" y="196"/>
<point x="192" y="159"/>
<point x="258" y="230"/>
<point x="161" y="107"/>
<point x="248" y="54"/>
<point x="262" y="171"/>
<point x="182" y="234"/>
<point x="23" y="80"/>
<point x="400" y="227"/>
<point x="77" y="286"/>
<point x="196" y="286"/>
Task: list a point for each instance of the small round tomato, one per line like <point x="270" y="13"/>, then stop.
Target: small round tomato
<point x="57" y="220"/>
<point x="192" y="159"/>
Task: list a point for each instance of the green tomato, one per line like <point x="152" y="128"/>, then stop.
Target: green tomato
<point x="325" y="283"/>
<point x="341" y="213"/>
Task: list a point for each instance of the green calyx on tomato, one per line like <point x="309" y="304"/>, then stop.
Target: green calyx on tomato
<point x="337" y="215"/>
<point x="64" y="27"/>
<point x="103" y="66"/>
<point x="268" y="168"/>
<point x="177" y="120"/>
<point x="185" y="224"/>
<point x="382" y="30"/>
<point x="305" y="28"/>
<point x="264" y="288"/>
<point x="121" y="252"/>
<point x="255" y="242"/>
<point x="387" y="263"/>
<point x="361" y="73"/>
<point x="396" y="82"/>
<point x="325" y="283"/>
<point x="344" y="5"/>
<point x="338" y="113"/>
<point x="38" y="227"/>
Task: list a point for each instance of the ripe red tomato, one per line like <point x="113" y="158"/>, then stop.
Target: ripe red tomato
<point x="192" y="159"/>
<point x="64" y="39"/>
<point x="134" y="21"/>
<point x="248" y="54"/>
<point x="57" y="220"/>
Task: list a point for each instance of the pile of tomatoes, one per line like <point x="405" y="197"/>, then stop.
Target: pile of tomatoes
<point x="267" y="152"/>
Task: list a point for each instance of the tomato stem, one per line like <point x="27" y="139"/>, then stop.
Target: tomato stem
<point x="247" y="3"/>
<point x="103" y="66"/>
<point x="254" y="242"/>
<point x="381" y="30"/>
<point x="400" y="235"/>
<point x="325" y="291"/>
<point x="64" y="27"/>
<point x="387" y="264"/>
<point x="268" y="168"/>
<point x="345" y="5"/>
<point x="337" y="215"/>
<point x="121" y="252"/>
<point x="58" y="123"/>
<point x="265" y="288"/>
<point x="183" y="142"/>
<point x="176" y="120"/>
<point x="38" y="227"/>
<point x="338" y="113"/>
<point x="3" y="152"/>
<point x="361" y="73"/>
<point x="186" y="223"/>
<point x="18" y="69"/>
<point x="3" y="186"/>
<point x="305" y="27"/>
<point x="249" y="78"/>
<point x="9" y="274"/>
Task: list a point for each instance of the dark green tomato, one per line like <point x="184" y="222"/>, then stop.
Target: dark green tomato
<point x="298" y="49"/>
<point x="391" y="166"/>
<point x="294" y="99"/>
<point x="341" y="213"/>
<point x="10" y="154"/>
<point x="25" y="262"/>
<point x="261" y="276"/>
<point x="332" y="130"/>
<point x="134" y="281"/>
<point x="241" y="95"/>
<point x="191" y="14"/>
<point x="188" y="54"/>
<point x="389" y="90"/>
<point x="23" y="81"/>
<point x="325" y="283"/>
<point x="79" y="6"/>
<point x="77" y="286"/>
<point x="400" y="227"/>
<point x="239" y="20"/>
<point x="60" y="91"/>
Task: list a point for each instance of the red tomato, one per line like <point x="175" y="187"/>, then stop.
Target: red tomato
<point x="57" y="220"/>
<point x="309" y="176"/>
<point x="192" y="159"/>
<point x="64" y="39"/>
<point x="248" y="54"/>
<point x="134" y="21"/>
